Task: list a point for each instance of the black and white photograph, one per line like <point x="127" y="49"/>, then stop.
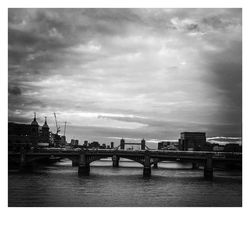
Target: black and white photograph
<point x="125" y="107"/>
<point x="124" y="125"/>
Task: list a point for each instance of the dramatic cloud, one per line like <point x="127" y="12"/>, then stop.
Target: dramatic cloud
<point x="135" y="73"/>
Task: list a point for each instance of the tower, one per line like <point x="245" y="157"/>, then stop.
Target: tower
<point x="45" y="131"/>
<point x="34" y="134"/>
<point x="34" y="127"/>
<point x="143" y="143"/>
<point x="122" y="144"/>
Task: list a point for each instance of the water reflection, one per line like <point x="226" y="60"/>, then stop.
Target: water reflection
<point x="172" y="184"/>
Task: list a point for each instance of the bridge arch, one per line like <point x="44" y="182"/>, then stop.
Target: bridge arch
<point x="91" y="159"/>
<point x="134" y="159"/>
<point x="160" y="160"/>
<point x="36" y="158"/>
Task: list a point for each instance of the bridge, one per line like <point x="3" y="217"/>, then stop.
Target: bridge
<point x="147" y="158"/>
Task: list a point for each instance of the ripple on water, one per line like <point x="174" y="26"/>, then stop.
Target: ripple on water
<point x="172" y="184"/>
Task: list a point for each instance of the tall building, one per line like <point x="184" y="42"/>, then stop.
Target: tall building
<point x="143" y="144"/>
<point x="34" y="126"/>
<point x="111" y="144"/>
<point x="122" y="143"/>
<point x="45" y="132"/>
<point x="190" y="141"/>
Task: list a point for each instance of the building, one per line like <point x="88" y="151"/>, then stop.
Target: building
<point x="168" y="145"/>
<point x="122" y="143"/>
<point x="112" y="145"/>
<point x="232" y="147"/>
<point x="85" y="144"/>
<point x="63" y="140"/>
<point x="74" y="143"/>
<point x="45" y="135"/>
<point x="190" y="141"/>
<point x="143" y="144"/>
<point x="19" y="136"/>
<point x="94" y="144"/>
<point x="34" y="131"/>
<point x="163" y="144"/>
<point x="28" y="135"/>
<point x="217" y="147"/>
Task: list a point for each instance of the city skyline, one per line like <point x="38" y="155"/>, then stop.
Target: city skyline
<point x="132" y="73"/>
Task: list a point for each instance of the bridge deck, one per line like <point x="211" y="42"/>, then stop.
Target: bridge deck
<point x="188" y="155"/>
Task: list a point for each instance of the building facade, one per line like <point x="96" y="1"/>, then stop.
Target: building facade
<point x="28" y="135"/>
<point x="192" y="141"/>
<point x="168" y="145"/>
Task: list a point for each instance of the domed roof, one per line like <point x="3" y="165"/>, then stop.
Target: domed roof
<point x="45" y="125"/>
<point x="34" y="122"/>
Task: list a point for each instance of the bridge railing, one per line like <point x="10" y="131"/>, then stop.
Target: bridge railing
<point x="222" y="155"/>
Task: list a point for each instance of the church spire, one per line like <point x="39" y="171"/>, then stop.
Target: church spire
<point x="34" y="122"/>
<point x="45" y="125"/>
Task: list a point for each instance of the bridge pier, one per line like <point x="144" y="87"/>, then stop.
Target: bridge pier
<point x="208" y="168"/>
<point x="75" y="162"/>
<point x="83" y="167"/>
<point x="23" y="161"/>
<point x="147" y="167"/>
<point x="115" y="160"/>
<point x="155" y="163"/>
<point x="195" y="165"/>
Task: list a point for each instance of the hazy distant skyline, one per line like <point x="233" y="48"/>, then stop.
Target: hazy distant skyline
<point x="133" y="73"/>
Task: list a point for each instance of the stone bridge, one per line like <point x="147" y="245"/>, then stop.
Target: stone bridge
<point x="147" y="158"/>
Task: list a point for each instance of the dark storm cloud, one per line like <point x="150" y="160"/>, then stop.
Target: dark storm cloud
<point x="143" y="71"/>
<point x="15" y="91"/>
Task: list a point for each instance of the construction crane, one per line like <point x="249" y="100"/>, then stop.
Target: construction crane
<point x="64" y="128"/>
<point x="57" y="127"/>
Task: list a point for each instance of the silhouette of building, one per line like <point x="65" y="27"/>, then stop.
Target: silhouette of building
<point x="19" y="136"/>
<point x="217" y="147"/>
<point x="143" y="144"/>
<point x="94" y="144"/>
<point x="45" y="132"/>
<point x="168" y="145"/>
<point x="112" y="145"/>
<point x="122" y="143"/>
<point x="74" y="143"/>
<point x="232" y="147"/>
<point x="28" y="135"/>
<point x="192" y="141"/>
<point x="34" y="132"/>
<point x="63" y="140"/>
<point x="85" y="144"/>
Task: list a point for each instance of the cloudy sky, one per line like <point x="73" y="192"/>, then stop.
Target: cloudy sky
<point x="129" y="73"/>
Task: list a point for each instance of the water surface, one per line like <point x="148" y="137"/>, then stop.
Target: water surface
<point x="172" y="184"/>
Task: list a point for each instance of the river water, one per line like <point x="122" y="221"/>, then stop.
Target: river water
<point x="173" y="184"/>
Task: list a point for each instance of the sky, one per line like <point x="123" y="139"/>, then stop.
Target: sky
<point x="131" y="73"/>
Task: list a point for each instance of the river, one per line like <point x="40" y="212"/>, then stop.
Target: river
<point x="173" y="184"/>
